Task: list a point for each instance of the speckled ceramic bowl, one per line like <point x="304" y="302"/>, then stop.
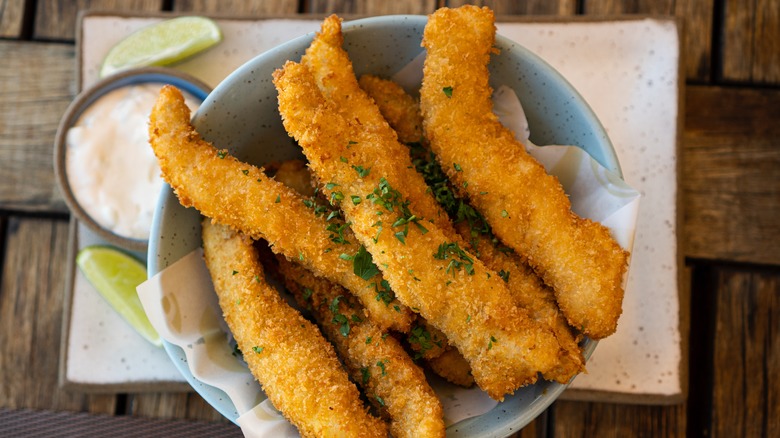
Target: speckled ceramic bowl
<point x="241" y="115"/>
<point x="153" y="75"/>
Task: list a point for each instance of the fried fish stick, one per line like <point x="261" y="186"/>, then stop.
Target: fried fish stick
<point x="401" y="110"/>
<point x="243" y="197"/>
<point x="295" y="365"/>
<point x="453" y="291"/>
<point x="526" y="207"/>
<point x="334" y="75"/>
<point x="452" y="367"/>
<point x="427" y="341"/>
<point x="375" y="360"/>
<point x="402" y="113"/>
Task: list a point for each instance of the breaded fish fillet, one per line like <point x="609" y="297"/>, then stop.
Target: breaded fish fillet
<point x="526" y="207"/>
<point x="243" y="197"/>
<point x="332" y="69"/>
<point x="402" y="113"/>
<point x="295" y="365"/>
<point x="427" y="341"/>
<point x="452" y="367"/>
<point x="375" y="360"/>
<point x="453" y="291"/>
<point x="401" y="110"/>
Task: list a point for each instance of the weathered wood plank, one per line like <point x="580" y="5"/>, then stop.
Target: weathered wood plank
<point x="31" y="303"/>
<point x="11" y="18"/>
<point x="751" y="41"/>
<point x="239" y="8"/>
<point x="525" y="7"/>
<point x="730" y="184"/>
<point x="370" y="7"/>
<point x="37" y="84"/>
<point x="606" y="420"/>
<point x="697" y="19"/>
<point x="189" y="406"/>
<point x="56" y="19"/>
<point x="746" y="362"/>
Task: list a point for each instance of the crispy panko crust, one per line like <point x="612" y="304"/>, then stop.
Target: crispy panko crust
<point x="375" y="360"/>
<point x="526" y="207"/>
<point x="243" y="197"/>
<point x="402" y="112"/>
<point x="295" y="365"/>
<point x="332" y="69"/>
<point x="452" y="367"/>
<point x="504" y="347"/>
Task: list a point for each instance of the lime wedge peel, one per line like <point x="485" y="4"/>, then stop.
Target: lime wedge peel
<point x="116" y="274"/>
<point x="161" y="44"/>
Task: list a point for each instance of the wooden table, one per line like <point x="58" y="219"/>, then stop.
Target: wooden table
<point x="729" y="199"/>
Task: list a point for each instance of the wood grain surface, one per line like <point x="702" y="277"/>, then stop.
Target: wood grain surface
<point x="730" y="199"/>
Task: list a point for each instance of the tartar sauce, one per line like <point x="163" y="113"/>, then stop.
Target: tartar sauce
<point x="111" y="167"/>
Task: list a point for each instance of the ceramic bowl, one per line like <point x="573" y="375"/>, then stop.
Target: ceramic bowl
<point x="82" y="102"/>
<point x="241" y="115"/>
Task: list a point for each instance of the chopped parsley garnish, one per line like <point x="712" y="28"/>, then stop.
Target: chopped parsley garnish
<point x="222" y="154"/>
<point x="337" y="232"/>
<point x="245" y="171"/>
<point x="458" y="258"/>
<point x="504" y="213"/>
<point x="504" y="275"/>
<point x="361" y="171"/>
<point x="235" y="272"/>
<point x="380" y="401"/>
<point x="365" y="374"/>
<point x="356" y="199"/>
<point x="392" y="200"/>
<point x="363" y="264"/>
<point x="278" y="199"/>
<point x="457" y="167"/>
<point x="343" y="160"/>
<point x="257" y="349"/>
<point x="447" y="91"/>
<point x="383" y="292"/>
<point x="420" y="338"/>
<point x="338" y="317"/>
<point x="491" y="342"/>
<point x="381" y="365"/>
<point x="330" y="185"/>
<point x="307" y="293"/>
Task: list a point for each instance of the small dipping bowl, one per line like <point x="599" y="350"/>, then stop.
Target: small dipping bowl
<point x="80" y="105"/>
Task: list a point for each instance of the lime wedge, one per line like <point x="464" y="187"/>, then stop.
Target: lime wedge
<point x="162" y="44"/>
<point x="115" y="275"/>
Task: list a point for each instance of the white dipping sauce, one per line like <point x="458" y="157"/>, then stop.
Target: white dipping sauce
<point x="111" y="167"/>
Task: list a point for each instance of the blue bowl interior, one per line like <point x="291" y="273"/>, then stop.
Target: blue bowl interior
<point x="241" y="115"/>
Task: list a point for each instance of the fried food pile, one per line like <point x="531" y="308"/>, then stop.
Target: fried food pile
<point x="416" y="235"/>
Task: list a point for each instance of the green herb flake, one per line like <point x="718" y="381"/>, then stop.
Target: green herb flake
<point x="447" y="91"/>
<point x="235" y="272"/>
<point x="330" y="185"/>
<point x="504" y="213"/>
<point x="222" y="154"/>
<point x="381" y="365"/>
<point x="343" y="160"/>
<point x="365" y="374"/>
<point x="257" y="349"/>
<point x="504" y="275"/>
<point x="356" y="199"/>
<point x="363" y="264"/>
<point x="278" y="199"/>
<point x="457" y="167"/>
<point x="459" y="259"/>
<point x="361" y="171"/>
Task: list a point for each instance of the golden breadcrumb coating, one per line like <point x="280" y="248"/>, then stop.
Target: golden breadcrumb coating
<point x="452" y="367"/>
<point x="295" y="365"/>
<point x="241" y="196"/>
<point x="375" y="360"/>
<point x="403" y="114"/>
<point x="526" y="207"/>
<point x="430" y="274"/>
